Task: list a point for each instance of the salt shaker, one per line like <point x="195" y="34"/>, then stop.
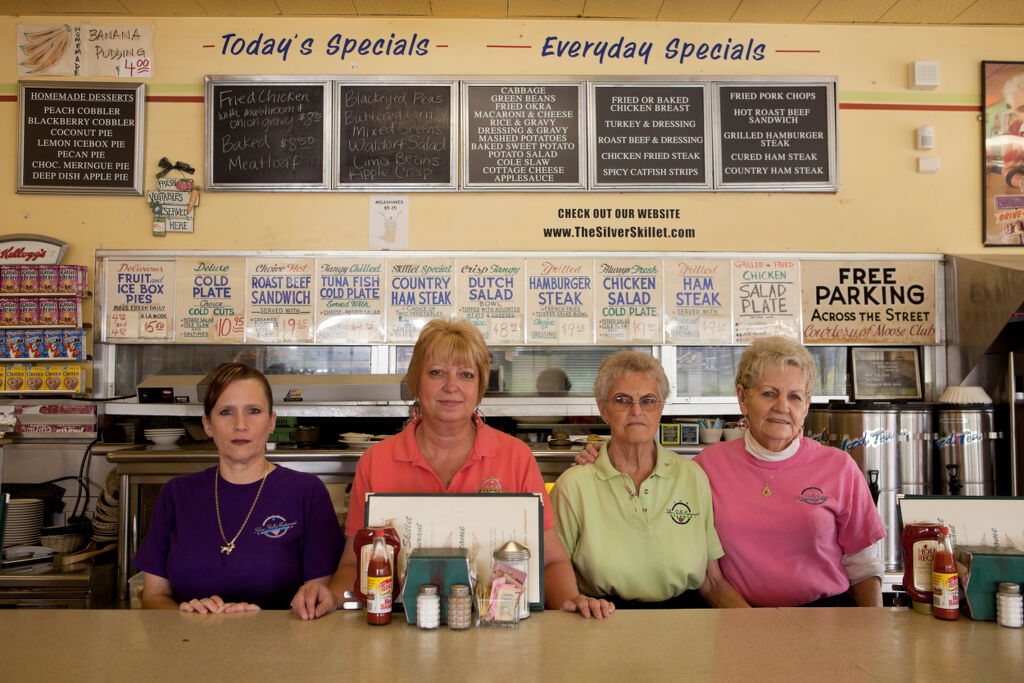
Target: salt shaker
<point x="460" y="607"/>
<point x="517" y="557"/>
<point x="428" y="607"/>
<point x="1009" y="607"/>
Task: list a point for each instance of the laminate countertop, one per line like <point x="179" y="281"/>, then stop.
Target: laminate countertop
<point x="803" y="644"/>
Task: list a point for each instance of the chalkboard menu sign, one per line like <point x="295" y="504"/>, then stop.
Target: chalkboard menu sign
<point x="81" y="138"/>
<point x="523" y="136"/>
<point x="267" y="134"/>
<point x="776" y="136"/>
<point x="649" y="136"/>
<point x="395" y="136"/>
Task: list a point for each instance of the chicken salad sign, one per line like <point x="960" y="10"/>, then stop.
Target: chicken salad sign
<point x="853" y="302"/>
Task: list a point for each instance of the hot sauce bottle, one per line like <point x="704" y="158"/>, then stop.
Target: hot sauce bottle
<point x="945" y="585"/>
<point x="362" y="543"/>
<point x="379" y="582"/>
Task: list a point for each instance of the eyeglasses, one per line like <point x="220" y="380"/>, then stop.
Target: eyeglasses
<point x="623" y="403"/>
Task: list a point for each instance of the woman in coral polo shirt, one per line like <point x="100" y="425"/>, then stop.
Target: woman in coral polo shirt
<point x="446" y="448"/>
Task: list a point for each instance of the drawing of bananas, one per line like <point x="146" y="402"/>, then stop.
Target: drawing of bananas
<point x="45" y="48"/>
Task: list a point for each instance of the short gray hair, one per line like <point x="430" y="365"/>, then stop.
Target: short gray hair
<point x="775" y="353"/>
<point x="622" y="363"/>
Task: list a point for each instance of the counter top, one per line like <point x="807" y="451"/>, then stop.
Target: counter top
<point x="884" y="644"/>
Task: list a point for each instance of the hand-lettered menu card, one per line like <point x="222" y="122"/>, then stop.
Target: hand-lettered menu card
<point x="139" y="299"/>
<point x="776" y="136"/>
<point x="560" y="301"/>
<point x="765" y="299"/>
<point x="279" y="300"/>
<point x="491" y="297"/>
<point x="698" y="299"/>
<point x="418" y="291"/>
<point x="210" y="300"/>
<point x="862" y="302"/>
<point x="649" y="136"/>
<point x="522" y="135"/>
<point x="628" y="309"/>
<point x="349" y="300"/>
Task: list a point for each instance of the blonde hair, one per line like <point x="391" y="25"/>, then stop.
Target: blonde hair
<point x="449" y="339"/>
<point x="775" y="353"/>
<point x="622" y="363"/>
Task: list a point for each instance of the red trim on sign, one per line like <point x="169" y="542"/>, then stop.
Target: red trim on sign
<point x="8" y="98"/>
<point x="910" y="107"/>
<point x="440" y="46"/>
<point x="809" y="51"/>
<point x="522" y="46"/>
<point x="175" y="98"/>
<point x="209" y="46"/>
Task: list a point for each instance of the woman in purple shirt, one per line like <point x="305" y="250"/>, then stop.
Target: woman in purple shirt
<point x="245" y="534"/>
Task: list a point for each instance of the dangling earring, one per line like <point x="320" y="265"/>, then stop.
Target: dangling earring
<point x="417" y="413"/>
<point x="478" y="417"/>
<point x="743" y="424"/>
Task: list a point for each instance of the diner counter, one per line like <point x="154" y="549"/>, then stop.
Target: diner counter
<point x="836" y="644"/>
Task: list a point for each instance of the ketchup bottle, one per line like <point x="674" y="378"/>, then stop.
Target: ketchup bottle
<point x="379" y="582"/>
<point x="945" y="585"/>
<point x="919" y="541"/>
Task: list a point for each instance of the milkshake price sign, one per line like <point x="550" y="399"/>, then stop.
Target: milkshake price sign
<point x="140" y="300"/>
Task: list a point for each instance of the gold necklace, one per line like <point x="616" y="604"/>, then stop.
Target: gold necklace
<point x="230" y="545"/>
<point x="766" y="491"/>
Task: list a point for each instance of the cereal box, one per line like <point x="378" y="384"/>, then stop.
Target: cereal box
<point x="9" y="311"/>
<point x="3" y="377"/>
<point x="16" y="377"/>
<point x="53" y="342"/>
<point x="74" y="378"/>
<point x="10" y="279"/>
<point x="3" y="344"/>
<point x="69" y="311"/>
<point x="54" y="379"/>
<point x="74" y="344"/>
<point x="30" y="279"/>
<point x="36" y="380"/>
<point x="48" y="279"/>
<point x="34" y="344"/>
<point x="67" y="279"/>
<point x="49" y="312"/>
<point x="28" y="310"/>
<point x="15" y="340"/>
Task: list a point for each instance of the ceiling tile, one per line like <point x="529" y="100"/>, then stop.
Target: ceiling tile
<point x="773" y="11"/>
<point x="849" y="11"/>
<point x="25" y="7"/>
<point x="162" y="8"/>
<point x="234" y="8"/>
<point x="488" y="9"/>
<point x="300" y="8"/>
<point x="546" y="8"/>
<point x="401" y="8"/>
<point x="82" y="7"/>
<point x="924" y="11"/>
<point x="697" y="10"/>
<point x="646" y="10"/>
<point x="993" y="12"/>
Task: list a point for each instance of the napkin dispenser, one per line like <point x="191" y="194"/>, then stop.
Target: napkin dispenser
<point x="441" y="567"/>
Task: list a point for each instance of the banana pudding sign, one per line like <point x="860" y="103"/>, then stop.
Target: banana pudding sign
<point x="852" y="302"/>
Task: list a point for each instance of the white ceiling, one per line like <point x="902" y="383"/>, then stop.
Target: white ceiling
<point x="903" y="12"/>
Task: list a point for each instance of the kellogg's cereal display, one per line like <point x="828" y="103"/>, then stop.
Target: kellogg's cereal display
<point x="10" y="279"/>
<point x="28" y="311"/>
<point x="10" y="312"/>
<point x="16" y="377"/>
<point x="30" y="279"/>
<point x="69" y="311"/>
<point x="48" y="311"/>
<point x="48" y="279"/>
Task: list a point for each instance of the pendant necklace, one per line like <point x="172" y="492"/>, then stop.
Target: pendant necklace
<point x="230" y="545"/>
<point x="766" y="491"/>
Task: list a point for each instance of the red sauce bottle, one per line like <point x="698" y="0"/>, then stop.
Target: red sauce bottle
<point x="362" y="543"/>
<point x="919" y="542"/>
<point x="945" y="584"/>
<point x="379" y="582"/>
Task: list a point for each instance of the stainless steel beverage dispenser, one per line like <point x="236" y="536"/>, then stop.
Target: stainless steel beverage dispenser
<point x="965" y="449"/>
<point x="869" y="433"/>
<point x="916" y="439"/>
<point x="816" y="425"/>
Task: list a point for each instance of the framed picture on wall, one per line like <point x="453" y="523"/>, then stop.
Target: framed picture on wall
<point x="885" y="374"/>
<point x="1003" y="161"/>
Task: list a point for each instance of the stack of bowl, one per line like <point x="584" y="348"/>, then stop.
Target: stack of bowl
<point x="106" y="520"/>
<point x="24" y="519"/>
<point x="164" y="438"/>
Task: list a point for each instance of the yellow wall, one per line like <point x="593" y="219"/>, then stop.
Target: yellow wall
<point x="882" y="204"/>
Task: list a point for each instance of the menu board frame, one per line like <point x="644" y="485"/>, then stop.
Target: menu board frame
<point x="384" y="81"/>
<point x="581" y="135"/>
<point x="138" y="138"/>
<point x="831" y="115"/>
<point x="213" y="82"/>
<point x="905" y="386"/>
<point x="593" y="148"/>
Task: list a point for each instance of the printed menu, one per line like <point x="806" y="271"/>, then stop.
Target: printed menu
<point x="139" y="299"/>
<point x="417" y="292"/>
<point x="698" y="301"/>
<point x="279" y="301"/>
<point x="349" y="301"/>
<point x="629" y="301"/>
<point x="560" y="301"/>
<point x="209" y="303"/>
<point x="766" y="299"/>
<point x="491" y="297"/>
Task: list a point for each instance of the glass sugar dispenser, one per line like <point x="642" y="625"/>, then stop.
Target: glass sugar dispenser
<point x="1009" y="605"/>
<point x="428" y="608"/>
<point x="517" y="557"/>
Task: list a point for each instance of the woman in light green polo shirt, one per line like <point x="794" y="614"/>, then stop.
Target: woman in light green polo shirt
<point x="638" y="524"/>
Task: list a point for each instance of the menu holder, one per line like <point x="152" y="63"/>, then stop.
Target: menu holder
<point x="885" y="374"/>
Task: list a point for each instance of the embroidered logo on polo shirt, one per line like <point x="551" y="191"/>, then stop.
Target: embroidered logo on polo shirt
<point x="812" y="495"/>
<point x="491" y="485"/>
<point x="274" y="526"/>
<point x="680" y="513"/>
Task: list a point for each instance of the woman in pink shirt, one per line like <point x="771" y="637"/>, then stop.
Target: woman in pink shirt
<point x="795" y="518"/>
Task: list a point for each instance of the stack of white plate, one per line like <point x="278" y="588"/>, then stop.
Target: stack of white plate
<point x="24" y="519"/>
<point x="164" y="437"/>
